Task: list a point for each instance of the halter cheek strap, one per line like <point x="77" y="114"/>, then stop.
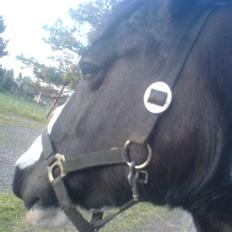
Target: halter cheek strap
<point x="138" y="176"/>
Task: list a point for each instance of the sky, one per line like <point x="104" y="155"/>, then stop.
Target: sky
<point x="24" y="20"/>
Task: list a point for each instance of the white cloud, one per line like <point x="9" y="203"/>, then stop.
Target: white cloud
<point x="24" y="20"/>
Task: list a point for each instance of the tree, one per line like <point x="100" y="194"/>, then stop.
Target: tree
<point x="86" y="15"/>
<point x="7" y="81"/>
<point x="92" y="12"/>
<point x="28" y="90"/>
<point x="70" y="42"/>
<point x="19" y="80"/>
<point x="62" y="37"/>
<point x="3" y="52"/>
<point x="3" y="43"/>
<point x="50" y="75"/>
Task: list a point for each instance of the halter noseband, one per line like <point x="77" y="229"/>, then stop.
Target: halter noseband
<point x="138" y="176"/>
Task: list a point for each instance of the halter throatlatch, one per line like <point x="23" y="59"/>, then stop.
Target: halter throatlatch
<point x="157" y="99"/>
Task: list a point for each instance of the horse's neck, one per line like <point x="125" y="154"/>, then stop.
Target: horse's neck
<point x="209" y="223"/>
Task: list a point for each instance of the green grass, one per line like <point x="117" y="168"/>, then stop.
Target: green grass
<point x="11" y="105"/>
<point x="12" y="213"/>
<point x="134" y="218"/>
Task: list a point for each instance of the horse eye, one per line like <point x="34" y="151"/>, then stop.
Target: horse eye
<point x="89" y="70"/>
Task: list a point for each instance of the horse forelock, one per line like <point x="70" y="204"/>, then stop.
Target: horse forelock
<point x="159" y="14"/>
<point x="116" y="14"/>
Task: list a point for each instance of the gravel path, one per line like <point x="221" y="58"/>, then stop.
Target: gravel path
<point x="14" y="140"/>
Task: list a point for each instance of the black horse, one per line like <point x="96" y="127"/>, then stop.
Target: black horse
<point x="188" y="148"/>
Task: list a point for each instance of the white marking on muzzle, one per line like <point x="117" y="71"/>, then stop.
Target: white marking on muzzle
<point x="46" y="218"/>
<point x="32" y="155"/>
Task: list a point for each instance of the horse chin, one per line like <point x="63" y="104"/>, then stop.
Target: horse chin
<point x="46" y="217"/>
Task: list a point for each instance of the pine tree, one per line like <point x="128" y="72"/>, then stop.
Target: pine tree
<point x="3" y="43"/>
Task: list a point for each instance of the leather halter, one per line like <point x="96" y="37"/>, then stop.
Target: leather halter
<point x="121" y="155"/>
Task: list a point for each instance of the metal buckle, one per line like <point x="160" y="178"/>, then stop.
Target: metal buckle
<point x="153" y="107"/>
<point x="57" y="163"/>
<point x="142" y="176"/>
<point x="129" y="162"/>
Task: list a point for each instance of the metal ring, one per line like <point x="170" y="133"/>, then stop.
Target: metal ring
<point x="58" y="159"/>
<point x="145" y="163"/>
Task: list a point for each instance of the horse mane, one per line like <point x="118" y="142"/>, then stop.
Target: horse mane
<point x="121" y="10"/>
<point x="221" y="47"/>
<point x="117" y="13"/>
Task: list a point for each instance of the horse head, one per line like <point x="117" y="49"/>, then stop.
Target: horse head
<point x="126" y="84"/>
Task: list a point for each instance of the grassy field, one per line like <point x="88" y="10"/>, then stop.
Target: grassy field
<point x="12" y="215"/>
<point x="13" y="109"/>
